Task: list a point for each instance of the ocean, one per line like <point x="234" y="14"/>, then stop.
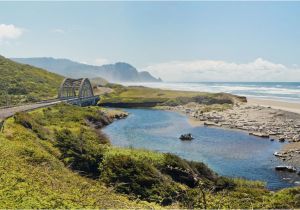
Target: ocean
<point x="281" y="91"/>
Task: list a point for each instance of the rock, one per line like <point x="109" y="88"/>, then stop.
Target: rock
<point x="186" y="137"/>
<point x="296" y="138"/>
<point x="277" y="154"/>
<point x="207" y="123"/>
<point x="271" y="139"/>
<point x="281" y="139"/>
<point x="286" y="168"/>
<point x="263" y="135"/>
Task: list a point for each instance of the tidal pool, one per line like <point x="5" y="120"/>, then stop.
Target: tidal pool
<point x="228" y="152"/>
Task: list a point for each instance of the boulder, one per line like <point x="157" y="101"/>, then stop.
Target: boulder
<point x="186" y="137"/>
<point x="286" y="168"/>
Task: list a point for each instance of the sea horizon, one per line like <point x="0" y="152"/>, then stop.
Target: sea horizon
<point x="278" y="91"/>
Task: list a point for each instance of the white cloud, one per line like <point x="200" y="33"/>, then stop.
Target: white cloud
<point x="58" y="31"/>
<point x="9" y="32"/>
<point x="214" y="70"/>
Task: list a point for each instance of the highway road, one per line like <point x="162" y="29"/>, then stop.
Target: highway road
<point x="8" y="112"/>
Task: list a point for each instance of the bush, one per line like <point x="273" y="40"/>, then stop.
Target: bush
<point x="99" y="120"/>
<point x="27" y="121"/>
<point x="77" y="152"/>
<point x="137" y="177"/>
<point x="187" y="172"/>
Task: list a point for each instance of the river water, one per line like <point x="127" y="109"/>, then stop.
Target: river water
<point x="228" y="152"/>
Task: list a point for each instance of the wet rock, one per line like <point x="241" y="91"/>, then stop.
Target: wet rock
<point x="278" y="154"/>
<point x="263" y="135"/>
<point x="186" y="137"/>
<point x="286" y="168"/>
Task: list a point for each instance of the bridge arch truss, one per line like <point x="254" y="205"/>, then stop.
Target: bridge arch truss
<point x="75" y="88"/>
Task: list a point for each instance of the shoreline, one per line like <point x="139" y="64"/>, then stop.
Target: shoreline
<point x="269" y="119"/>
<point x="275" y="104"/>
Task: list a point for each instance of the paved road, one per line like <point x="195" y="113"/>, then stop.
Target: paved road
<point x="8" y="112"/>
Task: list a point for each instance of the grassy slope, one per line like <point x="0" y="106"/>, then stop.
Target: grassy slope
<point x="26" y="83"/>
<point x="139" y="94"/>
<point x="34" y="172"/>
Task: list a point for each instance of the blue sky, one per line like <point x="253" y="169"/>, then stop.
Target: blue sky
<point x="151" y="35"/>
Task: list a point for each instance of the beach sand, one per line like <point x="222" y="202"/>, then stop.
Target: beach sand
<point x="282" y="105"/>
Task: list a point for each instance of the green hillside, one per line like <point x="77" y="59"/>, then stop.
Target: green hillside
<point x="57" y="157"/>
<point x="21" y="83"/>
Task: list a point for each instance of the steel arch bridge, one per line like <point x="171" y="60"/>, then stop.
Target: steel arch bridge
<point x="75" y="88"/>
<point x="77" y="92"/>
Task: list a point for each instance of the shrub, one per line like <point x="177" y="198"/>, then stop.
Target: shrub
<point x="137" y="177"/>
<point x="27" y="121"/>
<point x="77" y="152"/>
<point x="187" y="172"/>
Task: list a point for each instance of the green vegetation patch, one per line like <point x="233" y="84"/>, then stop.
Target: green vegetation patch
<point x="21" y="83"/>
<point x="143" y="96"/>
<point x="55" y="158"/>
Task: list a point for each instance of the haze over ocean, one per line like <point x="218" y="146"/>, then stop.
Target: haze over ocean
<point x="281" y="91"/>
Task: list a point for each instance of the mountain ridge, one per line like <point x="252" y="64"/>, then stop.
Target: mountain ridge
<point x="117" y="72"/>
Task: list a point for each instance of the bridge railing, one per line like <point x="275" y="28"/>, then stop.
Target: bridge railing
<point x="28" y="103"/>
<point x="49" y="101"/>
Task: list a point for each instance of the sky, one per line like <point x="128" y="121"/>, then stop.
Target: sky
<point x="178" y="41"/>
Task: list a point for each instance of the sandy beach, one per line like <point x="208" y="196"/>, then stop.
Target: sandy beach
<point x="282" y="105"/>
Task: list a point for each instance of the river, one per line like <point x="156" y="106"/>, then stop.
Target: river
<point x="228" y="152"/>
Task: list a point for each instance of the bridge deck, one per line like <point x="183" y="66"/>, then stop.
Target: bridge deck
<point x="10" y="111"/>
